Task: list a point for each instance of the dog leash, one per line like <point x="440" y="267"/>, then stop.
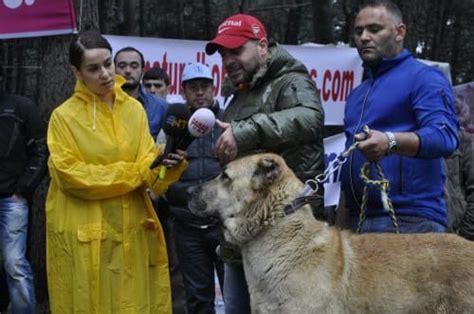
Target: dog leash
<point x="308" y="195"/>
<point x="383" y="185"/>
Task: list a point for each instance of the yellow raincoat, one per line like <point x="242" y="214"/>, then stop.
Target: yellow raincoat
<point x="105" y="247"/>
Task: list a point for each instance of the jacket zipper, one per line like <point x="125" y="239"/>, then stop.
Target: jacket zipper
<point x="443" y="98"/>
<point x="352" y="154"/>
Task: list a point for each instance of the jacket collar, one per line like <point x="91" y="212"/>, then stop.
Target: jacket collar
<point x="387" y="63"/>
<point x="83" y="92"/>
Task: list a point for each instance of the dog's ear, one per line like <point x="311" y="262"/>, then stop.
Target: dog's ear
<point x="267" y="171"/>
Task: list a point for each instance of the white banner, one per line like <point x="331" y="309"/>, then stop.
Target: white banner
<point x="333" y="147"/>
<point x="336" y="70"/>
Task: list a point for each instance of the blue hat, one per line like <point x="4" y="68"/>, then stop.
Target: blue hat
<point x="196" y="71"/>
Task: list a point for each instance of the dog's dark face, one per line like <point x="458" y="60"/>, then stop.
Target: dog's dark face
<point x="243" y="195"/>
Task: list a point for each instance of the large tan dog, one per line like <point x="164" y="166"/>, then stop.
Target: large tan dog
<point x="296" y="264"/>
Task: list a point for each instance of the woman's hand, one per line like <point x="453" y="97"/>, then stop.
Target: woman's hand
<point x="173" y="159"/>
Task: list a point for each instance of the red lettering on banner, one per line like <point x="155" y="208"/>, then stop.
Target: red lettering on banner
<point x="347" y="84"/>
<point x="313" y="74"/>
<point x="337" y="86"/>
<point x="325" y="91"/>
<point x="175" y="72"/>
<point x="217" y="79"/>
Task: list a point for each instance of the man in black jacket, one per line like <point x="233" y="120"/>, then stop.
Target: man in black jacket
<point x="23" y="156"/>
<point x="197" y="237"/>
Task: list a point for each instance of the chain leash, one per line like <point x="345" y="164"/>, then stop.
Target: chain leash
<point x="382" y="185"/>
<point x="334" y="166"/>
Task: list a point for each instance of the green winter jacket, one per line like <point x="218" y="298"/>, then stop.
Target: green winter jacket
<point x="280" y="111"/>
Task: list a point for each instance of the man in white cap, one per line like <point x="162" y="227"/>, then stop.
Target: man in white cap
<point x="197" y="237"/>
<point x="276" y="108"/>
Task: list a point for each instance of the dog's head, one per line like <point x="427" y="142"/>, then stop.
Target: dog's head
<point x="248" y="194"/>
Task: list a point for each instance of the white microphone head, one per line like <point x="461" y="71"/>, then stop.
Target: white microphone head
<point x="201" y="122"/>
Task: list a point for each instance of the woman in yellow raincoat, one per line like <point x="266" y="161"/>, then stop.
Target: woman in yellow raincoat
<point x="105" y="247"/>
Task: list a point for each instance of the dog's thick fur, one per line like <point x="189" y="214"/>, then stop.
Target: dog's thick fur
<point x="296" y="264"/>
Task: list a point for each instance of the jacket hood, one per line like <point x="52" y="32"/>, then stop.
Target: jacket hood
<point x="279" y="63"/>
<point x="83" y="92"/>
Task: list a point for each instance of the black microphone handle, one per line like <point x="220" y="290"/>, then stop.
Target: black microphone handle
<point x="171" y="142"/>
<point x="185" y="141"/>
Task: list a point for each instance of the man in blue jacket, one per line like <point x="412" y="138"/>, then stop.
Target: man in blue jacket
<point x="408" y="107"/>
<point x="129" y="63"/>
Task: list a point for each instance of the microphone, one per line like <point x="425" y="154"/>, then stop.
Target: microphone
<point x="200" y="124"/>
<point x="175" y="127"/>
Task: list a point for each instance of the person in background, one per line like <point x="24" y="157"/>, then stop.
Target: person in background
<point x="408" y="107"/>
<point x="275" y="108"/>
<point x="105" y="247"/>
<point x="129" y="63"/>
<point x="23" y="157"/>
<point x="156" y="81"/>
<point x="196" y="237"/>
<point x="460" y="187"/>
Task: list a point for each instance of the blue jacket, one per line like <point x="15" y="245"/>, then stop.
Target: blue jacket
<point x="203" y="165"/>
<point x="155" y="108"/>
<point x="403" y="95"/>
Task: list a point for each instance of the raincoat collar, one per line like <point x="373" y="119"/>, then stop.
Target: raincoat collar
<point x="83" y="92"/>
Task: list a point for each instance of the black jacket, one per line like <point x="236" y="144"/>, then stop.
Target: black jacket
<point x="203" y="165"/>
<point x="23" y="152"/>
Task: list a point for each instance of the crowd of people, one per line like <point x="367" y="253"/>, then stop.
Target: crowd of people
<point x="120" y="238"/>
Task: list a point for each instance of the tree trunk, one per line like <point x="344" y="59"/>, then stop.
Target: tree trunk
<point x="244" y="6"/>
<point x="209" y="30"/>
<point x="293" y="27"/>
<point x="180" y="19"/>
<point x="131" y="10"/>
<point x="323" y="21"/>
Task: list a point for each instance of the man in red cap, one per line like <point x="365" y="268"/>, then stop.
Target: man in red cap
<point x="276" y="108"/>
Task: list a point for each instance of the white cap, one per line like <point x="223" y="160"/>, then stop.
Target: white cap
<point x="196" y="71"/>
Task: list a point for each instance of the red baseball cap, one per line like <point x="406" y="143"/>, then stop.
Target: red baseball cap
<point x="235" y="31"/>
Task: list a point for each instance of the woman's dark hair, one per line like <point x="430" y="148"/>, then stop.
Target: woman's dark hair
<point x="86" y="40"/>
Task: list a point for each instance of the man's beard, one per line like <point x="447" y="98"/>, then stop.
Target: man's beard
<point x="130" y="86"/>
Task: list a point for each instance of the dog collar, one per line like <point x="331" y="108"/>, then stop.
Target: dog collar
<point x="299" y="202"/>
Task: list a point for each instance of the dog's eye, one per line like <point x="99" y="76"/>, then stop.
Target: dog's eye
<point x="225" y="176"/>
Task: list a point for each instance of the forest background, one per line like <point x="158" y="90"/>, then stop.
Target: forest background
<point x="438" y="30"/>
